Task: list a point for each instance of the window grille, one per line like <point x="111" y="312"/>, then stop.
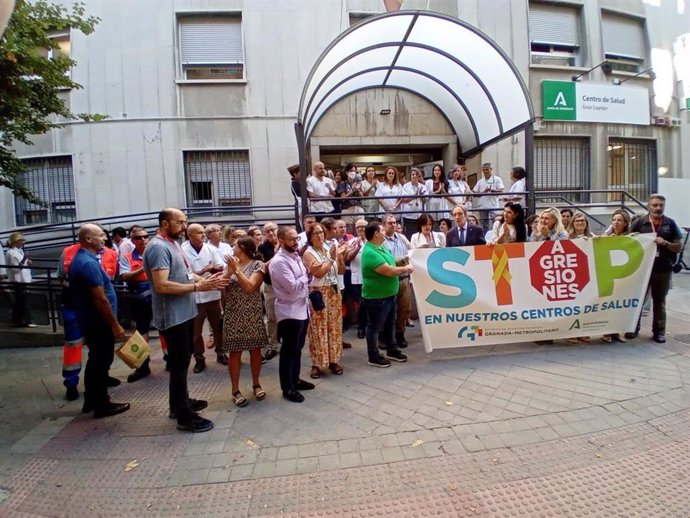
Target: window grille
<point x="562" y="163"/>
<point x="52" y="180"/>
<point x="217" y="178"/>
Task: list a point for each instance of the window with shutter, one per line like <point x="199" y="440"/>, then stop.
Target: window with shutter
<point x="52" y="180"/>
<point x="624" y="42"/>
<point x="554" y="34"/>
<point x="562" y="164"/>
<point x="210" y="47"/>
<point x="218" y="178"/>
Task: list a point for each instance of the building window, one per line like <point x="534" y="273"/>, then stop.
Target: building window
<point x="632" y="167"/>
<point x="211" y="47"/>
<point x="51" y="179"/>
<point x="217" y="178"/>
<point x="561" y="164"/>
<point x="554" y="34"/>
<point x="624" y="42"/>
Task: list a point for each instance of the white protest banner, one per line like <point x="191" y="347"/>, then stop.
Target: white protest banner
<point x="521" y="292"/>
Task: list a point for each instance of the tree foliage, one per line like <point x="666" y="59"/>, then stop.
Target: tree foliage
<point x="31" y="81"/>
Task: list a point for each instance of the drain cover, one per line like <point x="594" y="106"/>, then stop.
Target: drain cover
<point x="683" y="338"/>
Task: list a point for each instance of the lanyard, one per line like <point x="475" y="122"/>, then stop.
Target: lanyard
<point x="177" y="247"/>
<point x="654" y="229"/>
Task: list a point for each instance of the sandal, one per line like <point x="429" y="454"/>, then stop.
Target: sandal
<point x="259" y="393"/>
<point x="335" y="369"/>
<point x="239" y="399"/>
<point x="315" y="373"/>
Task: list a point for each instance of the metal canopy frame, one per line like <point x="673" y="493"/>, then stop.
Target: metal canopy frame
<point x="459" y="70"/>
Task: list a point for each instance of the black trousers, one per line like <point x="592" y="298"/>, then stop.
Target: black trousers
<point x="659" y="284"/>
<point x="21" y="314"/>
<point x="180" y="342"/>
<point x="101" y="343"/>
<point x="292" y="334"/>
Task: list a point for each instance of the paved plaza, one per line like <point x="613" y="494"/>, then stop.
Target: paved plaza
<point x="521" y="430"/>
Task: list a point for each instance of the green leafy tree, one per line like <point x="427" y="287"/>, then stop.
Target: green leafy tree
<point x="31" y="79"/>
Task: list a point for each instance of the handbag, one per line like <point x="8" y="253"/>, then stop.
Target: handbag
<point x="134" y="351"/>
<point x="316" y="299"/>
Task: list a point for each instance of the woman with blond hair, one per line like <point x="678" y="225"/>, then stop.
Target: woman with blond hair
<point x="579" y="227"/>
<point x="18" y="272"/>
<point x="550" y="227"/>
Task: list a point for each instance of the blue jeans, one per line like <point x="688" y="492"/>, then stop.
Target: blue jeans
<point x="380" y="322"/>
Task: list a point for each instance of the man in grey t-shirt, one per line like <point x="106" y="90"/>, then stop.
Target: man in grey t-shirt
<point x="173" y="285"/>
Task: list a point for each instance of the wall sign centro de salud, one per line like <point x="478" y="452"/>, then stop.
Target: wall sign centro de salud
<point x="521" y="292"/>
<point x="588" y="102"/>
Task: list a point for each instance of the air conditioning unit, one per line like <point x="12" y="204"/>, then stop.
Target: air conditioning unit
<point x="676" y="121"/>
<point x="661" y="120"/>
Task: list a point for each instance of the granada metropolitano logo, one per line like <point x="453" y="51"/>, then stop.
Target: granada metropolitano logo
<point x="470" y="332"/>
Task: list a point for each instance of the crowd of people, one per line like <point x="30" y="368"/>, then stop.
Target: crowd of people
<point x="266" y="290"/>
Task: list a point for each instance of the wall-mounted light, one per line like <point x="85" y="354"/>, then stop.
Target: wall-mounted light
<point x="605" y="68"/>
<point x="648" y="71"/>
<point x="385" y="111"/>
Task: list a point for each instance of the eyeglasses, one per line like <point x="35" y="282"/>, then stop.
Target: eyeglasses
<point x="317" y="232"/>
<point x="139" y="238"/>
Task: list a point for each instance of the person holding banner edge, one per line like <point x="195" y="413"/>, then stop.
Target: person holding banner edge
<point x="380" y="287"/>
<point x="668" y="244"/>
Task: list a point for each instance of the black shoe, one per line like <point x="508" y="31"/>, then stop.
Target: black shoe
<point x="165" y="359"/>
<point x="113" y="382"/>
<point x="361" y="333"/>
<point x="72" y="394"/>
<point x="304" y="385"/>
<point x="270" y="354"/>
<point x="222" y="359"/>
<point x="199" y="366"/>
<point x="400" y="339"/>
<point x="140" y="372"/>
<point x="660" y="337"/>
<point x="197" y="405"/>
<point x="294" y="396"/>
<point x="630" y="335"/>
<point x="396" y="356"/>
<point x="379" y="361"/>
<point x="196" y="425"/>
<point x="110" y="409"/>
<point x="347" y="345"/>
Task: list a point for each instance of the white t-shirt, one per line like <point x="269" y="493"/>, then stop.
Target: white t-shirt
<point x="388" y="204"/>
<point x="319" y="187"/>
<point x="488" y="202"/>
<point x="197" y="261"/>
<point x="518" y="187"/>
<point x="413" y="207"/>
<point x="224" y="250"/>
<point x="460" y="187"/>
<point x="15" y="257"/>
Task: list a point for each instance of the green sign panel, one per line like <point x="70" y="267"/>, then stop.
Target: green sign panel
<point x="559" y="100"/>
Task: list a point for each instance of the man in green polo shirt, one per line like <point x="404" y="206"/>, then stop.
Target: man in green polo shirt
<point x="379" y="289"/>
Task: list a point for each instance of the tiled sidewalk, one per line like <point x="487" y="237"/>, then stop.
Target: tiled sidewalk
<point x="591" y="430"/>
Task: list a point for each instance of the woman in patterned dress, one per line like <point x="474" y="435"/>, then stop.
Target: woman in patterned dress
<point x="324" y="261"/>
<point x="243" y="322"/>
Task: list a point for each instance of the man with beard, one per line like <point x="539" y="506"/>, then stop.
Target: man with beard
<point x="291" y="287"/>
<point x="174" y="309"/>
<point x="667" y="246"/>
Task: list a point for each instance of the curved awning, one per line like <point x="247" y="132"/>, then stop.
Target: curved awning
<point x="451" y="64"/>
